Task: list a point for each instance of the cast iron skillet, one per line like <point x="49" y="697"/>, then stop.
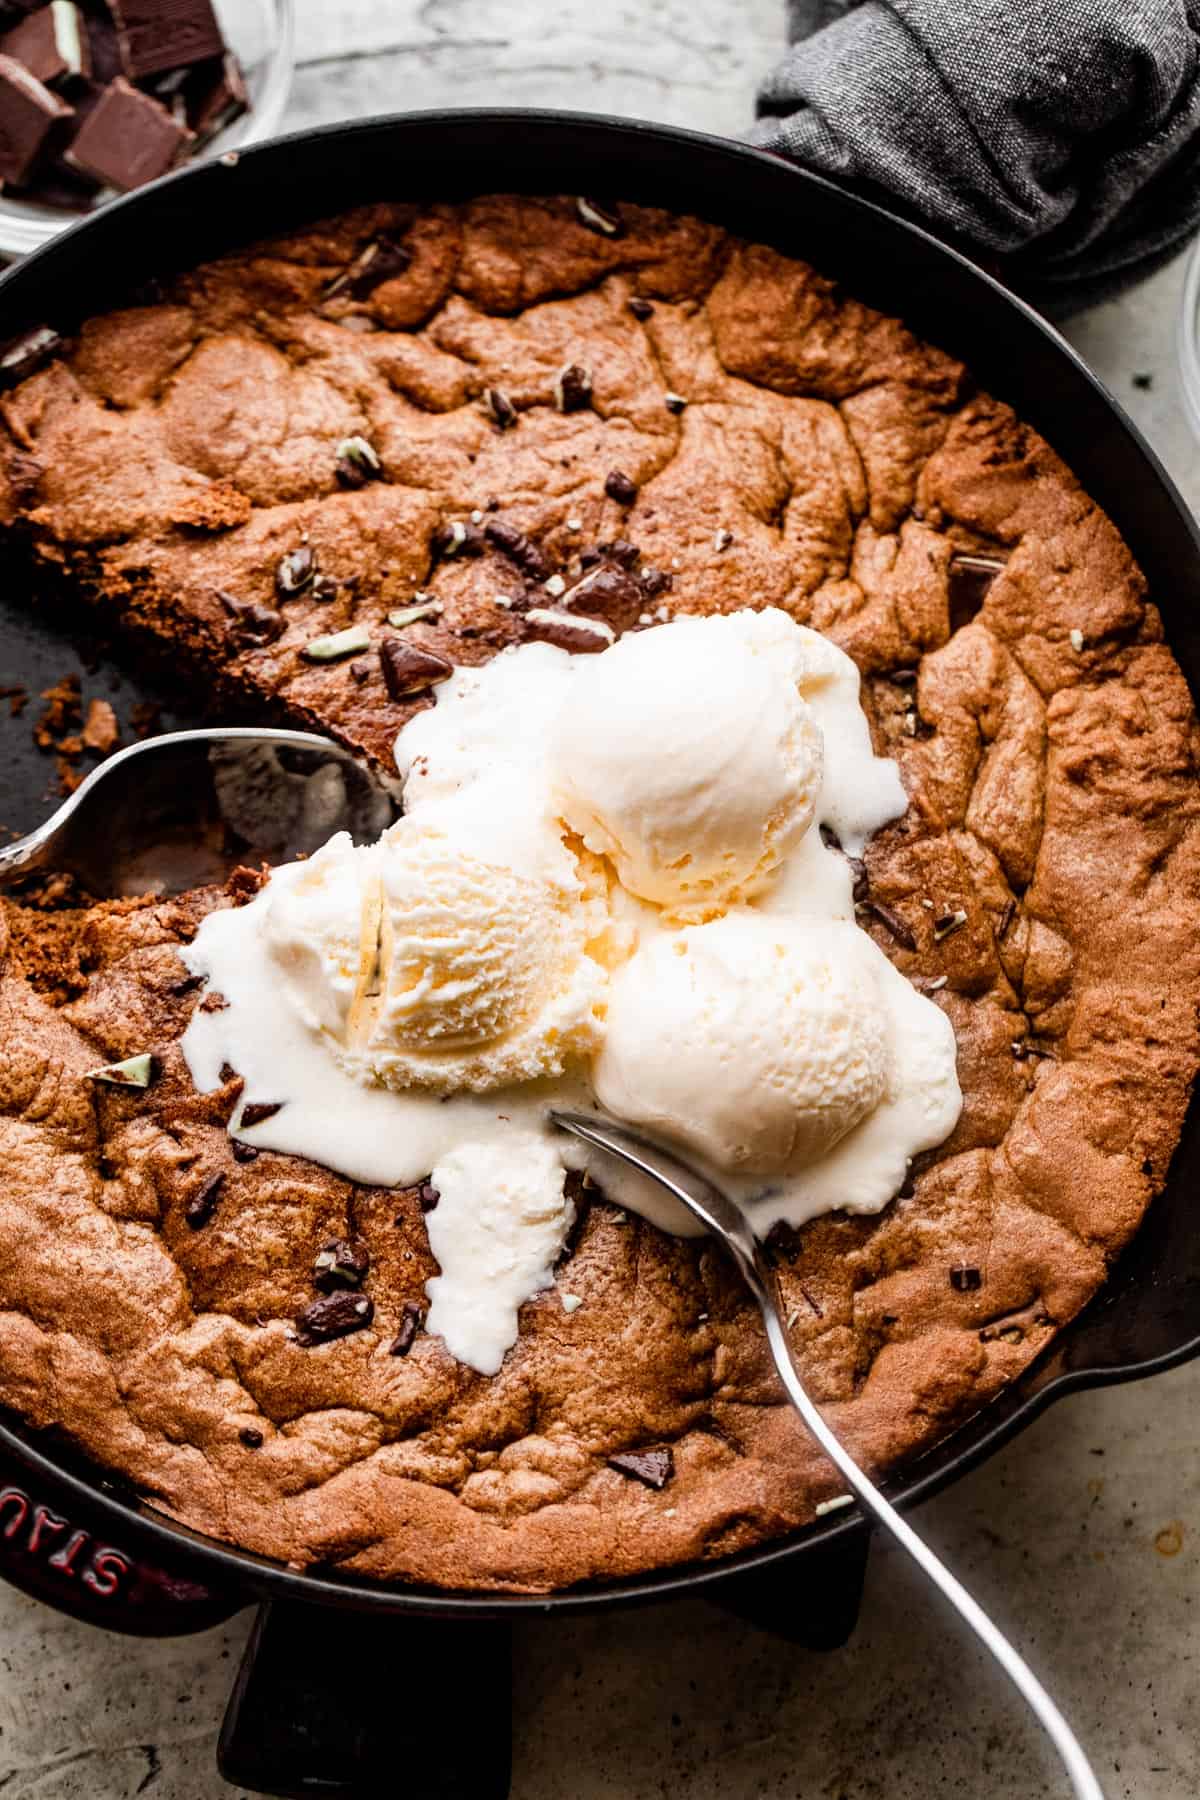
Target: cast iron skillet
<point x="321" y="1704"/>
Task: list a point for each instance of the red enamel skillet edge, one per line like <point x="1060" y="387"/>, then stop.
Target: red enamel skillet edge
<point x="303" y="1716"/>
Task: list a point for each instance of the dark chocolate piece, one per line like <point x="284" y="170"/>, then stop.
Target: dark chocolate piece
<point x="412" y="1317"/>
<point x="333" y="1316"/>
<point x="620" y="488"/>
<point x="428" y="1196"/>
<point x="156" y="35"/>
<point x="964" y="1280"/>
<point x="258" y="1111"/>
<point x="891" y="921"/>
<point x="31" y="119"/>
<point x="407" y="669"/>
<point x="357" y="463"/>
<point x="127" y="139"/>
<point x="202" y="1205"/>
<point x="654" y="581"/>
<point x="104" y="47"/>
<point x="582" y="636"/>
<point x="294" y="572"/>
<point x="243" y="1153"/>
<point x="360" y="671"/>
<point x="598" y="216"/>
<point x="214" y="95"/>
<point x="653" y="1468"/>
<point x="503" y="412"/>
<point x="52" y="44"/>
<point x="383" y="259"/>
<point x="343" y="1263"/>
<point x="255" y="624"/>
<point x="458" y="538"/>
<point x="639" y="307"/>
<point x="573" y="388"/>
<point x="528" y="556"/>
<point x="606" y="590"/>
<point x="251" y="1436"/>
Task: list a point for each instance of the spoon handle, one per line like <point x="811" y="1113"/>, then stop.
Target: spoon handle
<point x="1083" y="1780"/>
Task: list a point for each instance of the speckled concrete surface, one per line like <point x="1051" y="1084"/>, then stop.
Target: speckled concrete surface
<point x="1080" y="1537"/>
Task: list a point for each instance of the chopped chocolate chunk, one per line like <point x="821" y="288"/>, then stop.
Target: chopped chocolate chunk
<point x="946" y="924"/>
<point x="384" y="258"/>
<point x="31" y="118"/>
<point x="597" y="216"/>
<point x="412" y="1317"/>
<point x="243" y="1153"/>
<point x="892" y="922"/>
<point x="620" y="488"/>
<point x="568" y="630"/>
<point x="428" y="1196"/>
<point x="134" y="1072"/>
<point x="186" y="984"/>
<point x="519" y="549"/>
<point x="23" y="356"/>
<point x="104" y="47"/>
<point x="251" y="1436"/>
<point x="498" y="404"/>
<point x="722" y="539"/>
<point x="343" y="1263"/>
<point x="333" y="1316"/>
<point x="964" y="1279"/>
<point x="214" y="96"/>
<point x="573" y="388"/>
<point x="257" y="1112"/>
<point x="202" y="1205"/>
<point x="51" y="43"/>
<point x="640" y="307"/>
<point x="24" y="478"/>
<point x="455" y="537"/>
<point x="654" y="581"/>
<point x="337" y="644"/>
<point x="606" y="589"/>
<point x="1006" y="919"/>
<point x="294" y="571"/>
<point x="674" y="403"/>
<point x="620" y="551"/>
<point x="360" y="671"/>
<point x="654" y="1468"/>
<point x="127" y="139"/>
<point x="155" y="35"/>
<point x="357" y="463"/>
<point x="326" y="588"/>
<point x="229" y="1074"/>
<point x="254" y="624"/>
<point x="407" y="669"/>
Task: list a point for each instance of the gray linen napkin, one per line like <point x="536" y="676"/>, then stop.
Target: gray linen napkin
<point x="1058" y="141"/>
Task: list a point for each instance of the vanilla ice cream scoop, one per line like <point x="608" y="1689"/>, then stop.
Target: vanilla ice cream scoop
<point x="484" y="977"/>
<point x="760" y="1042"/>
<point x="319" y="934"/>
<point x="688" y="757"/>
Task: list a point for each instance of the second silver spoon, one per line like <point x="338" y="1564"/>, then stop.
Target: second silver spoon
<point x="729" y="1225"/>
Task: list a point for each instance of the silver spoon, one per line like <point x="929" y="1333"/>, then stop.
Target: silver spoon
<point x="181" y="810"/>
<point x="729" y="1225"/>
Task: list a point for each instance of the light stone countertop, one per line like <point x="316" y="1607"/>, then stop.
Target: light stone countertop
<point x="1082" y="1537"/>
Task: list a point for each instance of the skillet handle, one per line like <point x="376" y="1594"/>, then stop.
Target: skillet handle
<point x="350" y="1705"/>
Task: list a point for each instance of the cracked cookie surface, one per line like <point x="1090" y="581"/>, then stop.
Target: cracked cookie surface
<point x="775" y="443"/>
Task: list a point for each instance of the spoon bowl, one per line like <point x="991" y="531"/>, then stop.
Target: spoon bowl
<point x="181" y="810"/>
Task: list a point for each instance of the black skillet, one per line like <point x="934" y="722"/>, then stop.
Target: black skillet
<point x="321" y="1705"/>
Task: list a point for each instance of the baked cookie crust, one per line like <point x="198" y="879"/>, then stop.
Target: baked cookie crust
<point x="748" y="436"/>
